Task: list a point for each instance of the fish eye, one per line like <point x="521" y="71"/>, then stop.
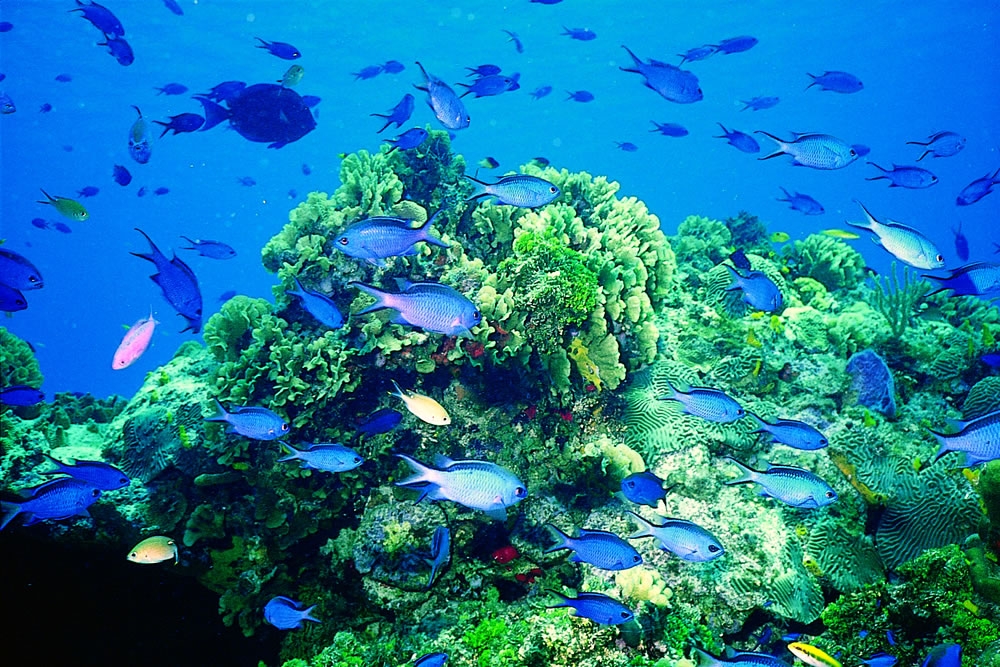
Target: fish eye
<point x="284" y="427"/>
<point x="831" y="494"/>
<point x="520" y="492"/>
<point x="96" y="493"/>
<point x="625" y="614"/>
<point x="33" y="279"/>
<point x="822" y="441"/>
<point x="630" y="484"/>
<point x="939" y="258"/>
<point x="637" y="558"/>
<point x="853" y="152"/>
<point x="476" y="315"/>
<point x="713" y="548"/>
<point x="342" y="240"/>
<point x="553" y="189"/>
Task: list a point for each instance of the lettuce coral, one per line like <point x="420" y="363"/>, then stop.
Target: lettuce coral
<point x="17" y="362"/>
<point x="827" y="260"/>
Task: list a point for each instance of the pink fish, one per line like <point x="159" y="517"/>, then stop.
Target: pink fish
<point x="134" y="343"/>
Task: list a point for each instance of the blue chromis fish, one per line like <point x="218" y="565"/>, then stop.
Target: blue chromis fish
<point x="710" y="404"/>
<point x="327" y="457"/>
<point x="669" y="129"/>
<point x="802" y="203"/>
<point x="643" y="488"/>
<point x="881" y="659"/>
<point x="283" y="50"/>
<point x="944" y="655"/>
<point x="378" y="238"/>
<point x="671" y="83"/>
<point x="318" y="305"/>
<point x="69" y="208"/>
<point x="412" y="138"/>
<point x="100" y="17"/>
<point x="140" y="139"/>
<point x="518" y="190"/>
<point x="977" y="189"/>
<point x="479" y="485"/>
<point x="597" y="607"/>
<point x="819" y="151"/>
<point x="381" y="421"/>
<point x="211" y="249"/>
<point x="681" y="537"/>
<point x="978" y="440"/>
<point x="251" y="422"/>
<point x="431" y="660"/>
<point x="11" y="300"/>
<point x="975" y="279"/>
<point x="739" y="659"/>
<point x="7" y="105"/>
<point x="942" y="144"/>
<point x="18" y="272"/>
<point x="447" y="107"/>
<point x="760" y="103"/>
<point x="430" y="306"/>
<point x="759" y="291"/>
<point x="285" y="613"/>
<point x="791" y="433"/>
<point x="793" y="486"/>
<point x="739" y="140"/>
<point x="19" y="395"/>
<point x="399" y="114"/>
<point x="440" y="552"/>
<point x="904" y="243"/>
<point x="598" y="548"/>
<point x="121" y="175"/>
<point x="913" y="178"/>
<point x="61" y="498"/>
<point x="101" y="475"/>
<point x="837" y="82"/>
<point x="178" y="284"/>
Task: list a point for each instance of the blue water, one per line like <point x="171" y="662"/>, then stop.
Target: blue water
<point x="926" y="67"/>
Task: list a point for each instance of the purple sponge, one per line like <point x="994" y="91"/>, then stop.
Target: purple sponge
<point x="873" y="382"/>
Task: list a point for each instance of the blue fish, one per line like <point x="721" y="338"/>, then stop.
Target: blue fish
<point x="11" y="300"/>
<point x="977" y="189"/>
<point x="793" y="486"/>
<point x="393" y="67"/>
<point x="287" y="614"/>
<point x="913" y="178"/>
<point x="101" y="17"/>
<point x="443" y="101"/>
<point x="643" y="488"/>
<point x="121" y="175"/>
<point x="185" y="122"/>
<point x="18" y="272"/>
<point x="978" y="440"/>
<point x="120" y="49"/>
<point x="488" y="86"/>
<point x="283" y="50"/>
<point x="739" y="140"/>
<point x="210" y="249"/>
<point x="399" y="114"/>
<point x="20" y="395"/>
<point x="944" y="655"/>
<point x="598" y="548"/>
<point x="540" y="92"/>
<point x="517" y="41"/>
<point x="890" y="637"/>
<point x="88" y="191"/>
<point x="942" y="144"/>
<point x="41" y="223"/>
<point x="669" y="129"/>
<point x="802" y="203"/>
<point x="251" y="422"/>
<point x="431" y="660"/>
<point x="627" y="146"/>
<point x="327" y="457"/>
<point x="6" y="26"/>
<point x="63" y="78"/>
<point x="380" y="421"/>
<point x="227" y="295"/>
<point x="861" y="149"/>
<point x="227" y="91"/>
<point x="759" y="291"/>
<point x="319" y="306"/>
<point x="991" y="359"/>
<point x="429" y="306"/>
<point x="961" y="243"/>
<point x="738" y="659"/>
<point x="140" y="140"/>
<point x="378" y="238"/>
<point x="597" y="607"/>
<point x="696" y="53"/>
<point x="707" y="403"/>
<point x="671" y="83"/>
<point x="172" y="89"/>
<point x="479" y="485"/>
<point x="7" y="105"/>
<point x="440" y="552"/>
<point x="246" y="181"/>
<point x="975" y="279"/>
<point x="791" y="433"/>
<point x="62" y="227"/>
<point x="518" y="190"/>
<point x="760" y="103"/>
<point x="818" y="151"/>
<point x="580" y="96"/>
<point x="736" y="44"/>
<point x="178" y="284"/>
<point x="45" y="108"/>
<point x="103" y="476"/>
<point x="483" y="70"/>
<point x="683" y="538"/>
<point x="881" y="659"/>
<point x="61" y="498"/>
<point x="582" y="34"/>
<point x="161" y="191"/>
<point x="174" y="7"/>
<point x="306" y="169"/>
<point x="837" y="82"/>
<point x="407" y="140"/>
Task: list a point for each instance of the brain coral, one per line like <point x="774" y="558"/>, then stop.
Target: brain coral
<point x="830" y="261"/>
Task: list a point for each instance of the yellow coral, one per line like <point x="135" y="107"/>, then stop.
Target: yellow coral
<point x="642" y="584"/>
<point x="588" y="369"/>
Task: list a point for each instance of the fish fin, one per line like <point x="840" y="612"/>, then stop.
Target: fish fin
<point x="943" y="441"/>
<point x="220" y="413"/>
<point x="307" y="615"/>
<point x="9" y="511"/>
<point x="497" y="513"/>
<point x="635" y="60"/>
<point x="645" y="527"/>
<point x="292" y="453"/>
<point x="480" y="190"/>
<point x="420" y="471"/>
<point x="748" y="474"/>
<point x="49" y="197"/>
<point x="371" y="291"/>
<point x="563" y="539"/>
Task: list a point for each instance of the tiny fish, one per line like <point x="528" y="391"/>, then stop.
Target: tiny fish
<point x="991" y="359"/>
<point x="319" y="306"/>
<point x="540" y="92"/>
<point x="696" y="53"/>
<point x="287" y="614"/>
<point x="6" y="26"/>
<point x="580" y="95"/>
<point x="793" y="486"/>
<point x="326" y="457"/>
<point x="759" y="291"/>
<point x="433" y="659"/>
<point x="88" y="191"/>
<point x="381" y="421"/>
<point x="819" y="151"/>
<point x="120" y="49"/>
<point x="151" y="550"/>
<point x="45" y="108"/>
<point x="488" y="86"/>
<point x="69" y="208"/>
<point x="20" y="395"/>
<point x="378" y="238"/>
<point x="811" y="655"/>
<point x="739" y="140"/>
<point x="669" y="129"/>
<point x="517" y="190"/>
<point x="18" y="272"/>
<point x="904" y="243"/>
<point x="961" y="243"/>
<point x="643" y="488"/>
<point x="447" y="107"/>
<point x="429" y="306"/>
<point x="599" y="548"/>
<point x="173" y="7"/>
<point x="837" y="82"/>
<point x="978" y="440"/>
<point x="393" y="67"/>
<point x="178" y="284"/>
<point x="489" y="163"/>
<point x="141" y="192"/>
<point x="246" y="181"/>
<point x="738" y="659"/>
<point x="62" y="227"/>
<point x="707" y="403"/>
<point x="283" y="50"/>
<point x="627" y="146"/>
<point x="975" y="279"/>
<point x="425" y="408"/>
<point x="172" y="89"/>
<point x="227" y="295"/>
<point x="306" y="169"/>
<point x="540" y="162"/>
<point x="802" y="203"/>
<point x="407" y="140"/>
<point x="517" y="41"/>
<point x="121" y="175"/>
<point x="791" y="433"/>
<point x="483" y="70"/>
<point x="944" y="655"/>
<point x="58" y="499"/>
<point x="760" y="103"/>
<point x="683" y="538"/>
<point x="942" y="144"/>
<point x="161" y="191"/>
<point x="977" y="189"/>
<point x="582" y="34"/>
<point x="210" y="249"/>
<point x="41" y="223"/>
<point x="100" y="17"/>
<point x="736" y="44"/>
<point x="779" y="237"/>
<point x="479" y="485"/>
<point x="840" y="234"/>
<point x="913" y="178"/>
<point x="440" y="553"/>
<point x="251" y="422"/>
<point x="64" y="78"/>
<point x="140" y="139"/>
<point x="399" y="114"/>
<point x="292" y="76"/>
<point x="11" y="300"/>
<point x="185" y="122"/>
<point x="134" y="343"/>
<point x="369" y="72"/>
<point x="881" y="659"/>
<point x="597" y="607"/>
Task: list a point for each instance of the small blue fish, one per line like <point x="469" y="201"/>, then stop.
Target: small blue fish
<point x="18" y="272"/>
<point x="226" y="91"/>
<point x="20" y="395"/>
<point x="210" y="249"/>
<point x="991" y="359"/>
<point x="696" y="53"/>
<point x="683" y="538"/>
<point x="961" y="243"/>
<point x="517" y="190"/>
<point x="978" y="440"/>
<point x="429" y="306"/>
<point x="101" y="18"/>
<point x="540" y="92"/>
<point x="88" y="191"/>
<point x="913" y="178"/>
<point x="862" y="634"/>
<point x="479" y="485"/>
<point x="791" y="637"/>
<point x="306" y="169"/>
<point x="62" y="227"/>
<point x="61" y="498"/>
<point x="975" y="279"/>
<point x="599" y="548"/>
<point x="369" y="72"/>
<point x="710" y="404"/>
<point x="11" y="300"/>
<point x="881" y="659"/>
<point x="818" y="151"/>
<point x="407" y="140"/>
<point x="251" y="422"/>
<point x="791" y="433"/>
<point x="185" y="122"/>
<point x="173" y="7"/>
<point x="759" y="291"/>
<point x="45" y="108"/>
<point x="399" y="114"/>
<point x="837" y="82"/>
<point x="627" y="146"/>
<point x="580" y="96"/>
<point x="942" y="144"/>
<point x="488" y="86"/>
<point x="440" y="552"/>
<point x="483" y="70"/>
<point x="431" y="660"/>
<point x="287" y="614"/>
<point x="378" y="238"/>
<point x="178" y="284"/>
<point x="671" y="83"/>
<point x="246" y="181"/>
<point x="41" y="223"/>
<point x="226" y="296"/>
<point x="890" y="637"/>
<point x="326" y="457"/>
<point x="738" y="659"/>
<point x="739" y="140"/>
<point x="443" y="101"/>
<point x="582" y="34"/>
<point x="944" y="655"/>
<point x="977" y="189"/>
<point x="802" y="203"/>
<point x="172" y="89"/>
<point x="319" y="306"/>
<point x="283" y="50"/>
<point x="380" y="421"/>
<point x="64" y="78"/>
<point x="643" y="488"/>
<point x="120" y="49"/>
<point x="121" y="175"/>
<point x="161" y="191"/>
<point x="760" y="103"/>
<point x="517" y="41"/>
<point x="6" y="26"/>
<point x="669" y="129"/>
<point x="100" y="475"/>
<point x="393" y="67"/>
<point x="736" y="44"/>
<point x="597" y="607"/>
<point x="793" y="486"/>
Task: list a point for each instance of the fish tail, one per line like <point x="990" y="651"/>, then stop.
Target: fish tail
<point x="781" y="145"/>
<point x="724" y="131"/>
<point x="709" y="660"/>
<point x="193" y="244"/>
<point x="166" y="128"/>
<point x="748" y="474"/>
<point x="153" y="250"/>
<point x="563" y="600"/>
<point x="813" y="83"/>
<point x="672" y="396"/>
<point x="9" y="511"/>
<point x="943" y="441"/>
<point x="869" y="224"/>
<point x="563" y="539"/>
<point x="49" y="198"/>
<point x="262" y="45"/>
<point x="421" y="471"/>
<point x="60" y="466"/>
<point x="371" y="291"/>
<point x="635" y="60"/>
<point x="875" y="178"/>
<point x="307" y="615"/>
<point x="293" y="453"/>
<point x="645" y="529"/>
<point x="425" y="232"/>
<point x="220" y="413"/>
<point x="480" y="190"/>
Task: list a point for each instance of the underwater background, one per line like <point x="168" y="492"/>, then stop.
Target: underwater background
<point x="592" y="307"/>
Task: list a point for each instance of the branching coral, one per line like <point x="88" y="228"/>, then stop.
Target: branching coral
<point x="897" y="298"/>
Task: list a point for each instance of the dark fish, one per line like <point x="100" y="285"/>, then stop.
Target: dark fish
<point x="802" y="203"/>
<point x="6" y="26"/>
<point x="517" y="41"/>
<point x="287" y="614"/>
<point x="225" y="91"/>
<point x="429" y="306"/>
<point x="380" y="421"/>
<point x="159" y="192"/>
<point x="488" y="86"/>
<point x="214" y="113"/>
<point x="311" y="100"/>
<point x="791" y="433"/>
<point x="517" y="190"/>
<point x="483" y="70"/>
<point x="141" y="192"/>
<point x="121" y="175"/>
<point x="62" y="227"/>
<point x="377" y="238"/>
<point x="540" y="92"/>
<point x="736" y="44"/>
<point x="739" y="140"/>
<point x="21" y="395"/>
<point x="88" y="191"/>
<point x="185" y="122"/>
<point x="58" y="499"/>
<point x="837" y="82"/>
<point x="210" y="249"/>
<point x="440" y="554"/>
<point x="977" y="189"/>
<point x="328" y="457"/>
<point x="267" y="112"/>
<point x="251" y="422"/>
<point x="582" y="34"/>
<point x="961" y="243"/>
<point x="669" y="129"/>
<point x="140" y="140"/>
<point x="120" y="49"/>
<point x="627" y="146"/>
<point x="913" y="178"/>
<point x="991" y="359"/>
<point x="7" y="105"/>
<point x="671" y="83"/>
<point x="178" y="284"/>
<point x="174" y="7"/>
<point x="409" y="139"/>
<point x="881" y="659"/>
<point x="11" y="300"/>
<point x="443" y="101"/>
<point x="760" y="103"/>
<point x="643" y="488"/>
<point x="598" y="548"/>
<point x="399" y="114"/>
<point x="246" y="181"/>
<point x="369" y="72"/>
<point x="18" y="272"/>
<point x="393" y="67"/>
<point x="319" y="306"/>
<point x="597" y="607"/>
<point x="306" y="169"/>
<point x="696" y="53"/>
<point x="942" y="144"/>
<point x="41" y="223"/>
<point x="101" y="18"/>
<point x="101" y="475"/>
<point x="283" y="50"/>
<point x="172" y="89"/>
<point x="580" y="95"/>
<point x="64" y="78"/>
<point x="819" y="151"/>
<point x="759" y="291"/>
<point x="45" y="108"/>
<point x="227" y="295"/>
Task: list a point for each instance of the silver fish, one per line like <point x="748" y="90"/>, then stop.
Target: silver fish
<point x="598" y="548"/>
<point x="978" y="439"/>
<point x="479" y="485"/>
<point x="904" y="243"/>
<point x="375" y="239"/>
<point x="707" y="403"/>
<point x="793" y="486"/>
<point x="791" y="433"/>
<point x="430" y="306"/>
<point x="329" y="457"/>
<point x="443" y="101"/>
<point x="518" y="190"/>
<point x="682" y="538"/>
<point x="819" y="151"/>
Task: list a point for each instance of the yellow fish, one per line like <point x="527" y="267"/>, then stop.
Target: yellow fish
<point x="424" y="407"/>
<point x="70" y="208"/>
<point x="154" y="550"/>
<point x="293" y="76"/>
<point x="840" y="234"/>
<point x="779" y="237"/>
<point x="812" y="655"/>
<point x="489" y="163"/>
